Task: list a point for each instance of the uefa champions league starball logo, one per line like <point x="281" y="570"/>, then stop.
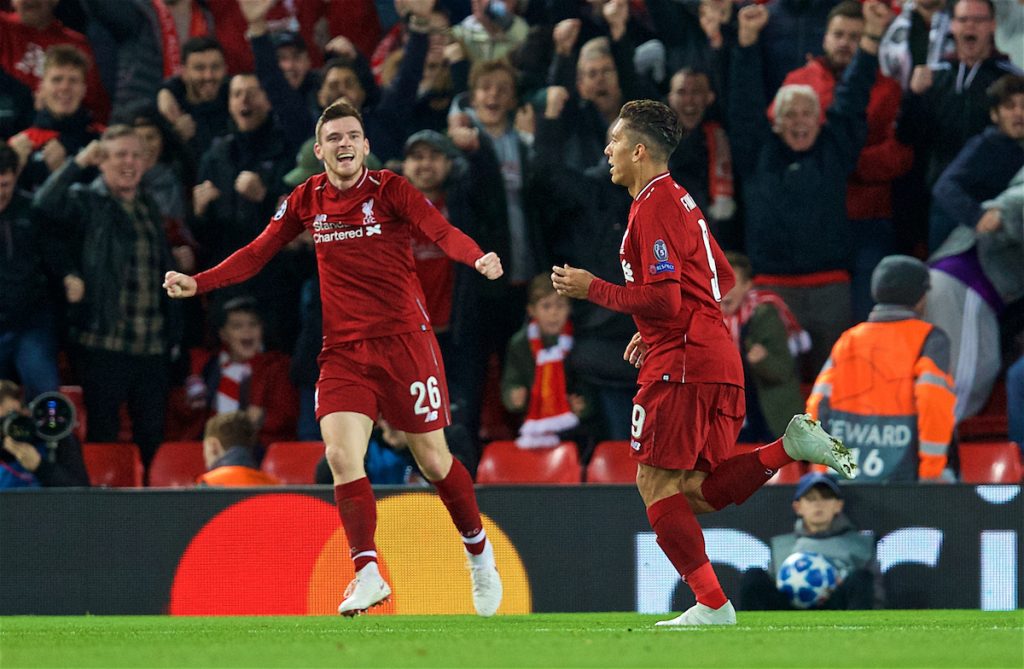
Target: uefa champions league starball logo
<point x="807" y="579"/>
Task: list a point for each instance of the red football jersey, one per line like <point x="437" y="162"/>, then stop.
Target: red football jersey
<point x="667" y="239"/>
<point x="436" y="273"/>
<point x="363" y="240"/>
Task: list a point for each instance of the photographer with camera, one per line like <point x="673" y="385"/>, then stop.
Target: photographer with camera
<point x="28" y="459"/>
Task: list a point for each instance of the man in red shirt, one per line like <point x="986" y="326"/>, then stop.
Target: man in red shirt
<point x="689" y="409"/>
<point x="380" y="357"/>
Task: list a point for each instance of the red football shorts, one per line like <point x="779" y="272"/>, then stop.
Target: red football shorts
<point x="400" y="377"/>
<point x="689" y="426"/>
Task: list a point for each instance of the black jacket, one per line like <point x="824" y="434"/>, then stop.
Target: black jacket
<point x="942" y="120"/>
<point x="28" y="261"/>
<point x="99" y="237"/>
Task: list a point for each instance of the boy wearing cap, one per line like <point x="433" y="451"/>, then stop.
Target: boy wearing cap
<point x="821" y="527"/>
<point x="886" y="390"/>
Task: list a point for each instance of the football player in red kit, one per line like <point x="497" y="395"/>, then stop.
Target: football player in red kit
<point x="379" y="357"/>
<point x="689" y="409"/>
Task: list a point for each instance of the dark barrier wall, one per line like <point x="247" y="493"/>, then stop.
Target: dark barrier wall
<point x="585" y="548"/>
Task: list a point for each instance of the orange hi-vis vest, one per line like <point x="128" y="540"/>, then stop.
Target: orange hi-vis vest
<point x="884" y="394"/>
<point x="236" y="476"/>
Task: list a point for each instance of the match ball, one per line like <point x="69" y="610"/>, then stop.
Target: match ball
<point x="806" y="579"/>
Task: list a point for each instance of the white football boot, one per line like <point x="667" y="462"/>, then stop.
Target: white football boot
<point x="806" y="440"/>
<point x="698" y="614"/>
<point x="487" y="588"/>
<point x="366" y="590"/>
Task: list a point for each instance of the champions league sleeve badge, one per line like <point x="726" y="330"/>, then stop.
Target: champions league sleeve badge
<point x="661" y="256"/>
<point x="280" y="210"/>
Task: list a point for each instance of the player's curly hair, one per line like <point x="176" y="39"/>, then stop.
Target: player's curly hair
<point x="655" y="123"/>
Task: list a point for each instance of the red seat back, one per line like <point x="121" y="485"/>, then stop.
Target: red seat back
<point x="74" y="393"/>
<point x="293" y="462"/>
<point x="990" y="462"/>
<point x="611" y="463"/>
<point x="113" y="465"/>
<point x="504" y="462"/>
<point x="177" y="464"/>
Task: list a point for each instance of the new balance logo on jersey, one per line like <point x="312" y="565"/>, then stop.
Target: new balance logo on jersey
<point x="320" y="218"/>
<point x="431" y="417"/>
<point x="627" y="271"/>
<point x="368" y="217"/>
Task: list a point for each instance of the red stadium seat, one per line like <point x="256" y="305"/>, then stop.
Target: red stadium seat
<point x="990" y="462"/>
<point x="113" y="465"/>
<point x="74" y="393"/>
<point x="293" y="462"/>
<point x="611" y="463"/>
<point x="504" y="462"/>
<point x="177" y="464"/>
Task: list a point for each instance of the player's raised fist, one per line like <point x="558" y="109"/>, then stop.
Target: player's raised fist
<point x="179" y="285"/>
<point x="489" y="265"/>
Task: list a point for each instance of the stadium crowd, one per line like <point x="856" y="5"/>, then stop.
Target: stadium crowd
<point x="142" y="136"/>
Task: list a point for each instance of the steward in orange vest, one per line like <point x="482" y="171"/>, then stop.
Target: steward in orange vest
<point x="229" y="442"/>
<point x="886" y="389"/>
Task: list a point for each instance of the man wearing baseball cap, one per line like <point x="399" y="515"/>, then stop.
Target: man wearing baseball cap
<point x="886" y="390"/>
<point x="821" y="527"/>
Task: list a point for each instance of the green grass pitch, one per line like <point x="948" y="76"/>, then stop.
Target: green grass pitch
<point x="804" y="639"/>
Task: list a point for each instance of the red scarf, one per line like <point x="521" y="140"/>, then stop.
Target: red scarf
<point x="549" y="412"/>
<point x="719" y="162"/>
<point x="799" y="340"/>
<point x="169" y="38"/>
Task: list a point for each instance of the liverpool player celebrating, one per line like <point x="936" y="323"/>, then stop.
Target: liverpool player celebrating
<point x="379" y="355"/>
<point x="689" y="408"/>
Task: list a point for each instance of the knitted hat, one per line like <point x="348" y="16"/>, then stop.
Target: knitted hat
<point x="899" y="280"/>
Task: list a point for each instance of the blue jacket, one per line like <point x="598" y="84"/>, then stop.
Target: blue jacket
<point x="981" y="170"/>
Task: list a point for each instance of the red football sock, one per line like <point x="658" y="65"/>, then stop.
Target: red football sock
<point x="457" y="494"/>
<point x="774" y="456"/>
<point x="681" y="538"/>
<point x="735" y="480"/>
<point x="705" y="586"/>
<point x="358" y="510"/>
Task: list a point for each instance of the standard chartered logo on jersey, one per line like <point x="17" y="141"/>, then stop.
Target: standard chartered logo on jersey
<point x="325" y="231"/>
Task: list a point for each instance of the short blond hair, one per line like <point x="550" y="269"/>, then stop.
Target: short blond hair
<point x="232" y="429"/>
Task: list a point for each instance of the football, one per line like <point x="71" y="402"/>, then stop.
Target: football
<point x="806" y="579"/>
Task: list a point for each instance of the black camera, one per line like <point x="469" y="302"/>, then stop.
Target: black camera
<point x="50" y="418"/>
<point x="500" y="12"/>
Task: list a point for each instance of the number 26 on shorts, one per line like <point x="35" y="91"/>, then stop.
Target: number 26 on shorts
<point x="428" y="396"/>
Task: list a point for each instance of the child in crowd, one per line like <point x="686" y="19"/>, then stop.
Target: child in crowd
<point x="821" y="527"/>
<point x="769" y="339"/>
<point x="534" y="381"/>
<point x="229" y="445"/>
<point x="241" y="376"/>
